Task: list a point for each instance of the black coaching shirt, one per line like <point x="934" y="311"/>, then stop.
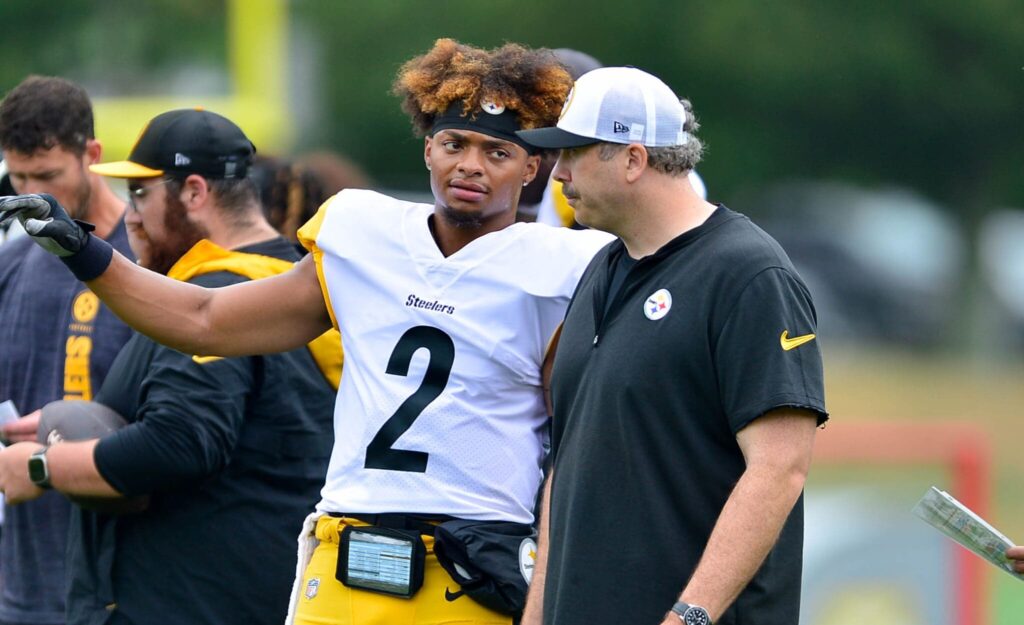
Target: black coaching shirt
<point x="650" y="389"/>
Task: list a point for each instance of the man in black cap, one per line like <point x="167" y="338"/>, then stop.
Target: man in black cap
<point x="230" y="452"/>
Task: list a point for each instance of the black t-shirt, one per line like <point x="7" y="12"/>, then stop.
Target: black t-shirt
<point x="620" y="265"/>
<point x="648" y="398"/>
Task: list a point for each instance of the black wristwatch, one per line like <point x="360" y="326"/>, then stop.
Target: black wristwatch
<point x="38" y="470"/>
<point x="692" y="614"/>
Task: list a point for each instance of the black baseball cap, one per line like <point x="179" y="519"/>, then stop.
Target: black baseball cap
<point x="183" y="142"/>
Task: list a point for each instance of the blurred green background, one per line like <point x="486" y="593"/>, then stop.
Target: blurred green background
<point x="881" y="142"/>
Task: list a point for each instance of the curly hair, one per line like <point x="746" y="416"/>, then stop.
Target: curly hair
<point x="530" y="82"/>
<point x="679" y="160"/>
<point x="43" y="112"/>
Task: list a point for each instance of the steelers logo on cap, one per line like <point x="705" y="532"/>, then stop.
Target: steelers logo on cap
<point x="658" y="304"/>
<point x="492" y="107"/>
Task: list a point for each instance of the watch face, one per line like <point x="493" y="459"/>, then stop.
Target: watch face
<point x="37" y="469"/>
<point x="696" y="616"/>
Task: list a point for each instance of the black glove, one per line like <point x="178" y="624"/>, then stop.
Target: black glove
<point x="48" y="224"/>
<point x="46" y="221"/>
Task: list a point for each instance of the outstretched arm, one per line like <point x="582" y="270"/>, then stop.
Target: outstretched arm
<point x="276" y="314"/>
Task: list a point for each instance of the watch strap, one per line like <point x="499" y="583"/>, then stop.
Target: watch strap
<point x="691" y="614"/>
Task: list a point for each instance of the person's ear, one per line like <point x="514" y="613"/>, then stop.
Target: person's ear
<point x="427" y="141"/>
<point x="93" y="152"/>
<point x="635" y="159"/>
<point x="532" y="167"/>
<point x="195" y="193"/>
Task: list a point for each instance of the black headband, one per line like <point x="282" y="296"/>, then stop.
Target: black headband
<point x="490" y="119"/>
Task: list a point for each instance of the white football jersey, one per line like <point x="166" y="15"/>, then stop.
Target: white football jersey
<point x="440" y="409"/>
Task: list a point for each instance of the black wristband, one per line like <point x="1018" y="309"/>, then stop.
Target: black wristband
<point x="92" y="260"/>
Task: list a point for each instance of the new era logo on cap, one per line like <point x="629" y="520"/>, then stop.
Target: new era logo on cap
<point x="617" y="105"/>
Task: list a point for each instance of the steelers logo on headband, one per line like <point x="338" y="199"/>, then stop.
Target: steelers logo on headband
<point x="494" y="108"/>
<point x="500" y="121"/>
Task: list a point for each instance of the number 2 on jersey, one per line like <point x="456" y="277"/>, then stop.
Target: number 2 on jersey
<point x="379" y="453"/>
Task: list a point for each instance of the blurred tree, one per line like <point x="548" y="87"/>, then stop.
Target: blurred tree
<point x="116" y="47"/>
<point x="923" y="93"/>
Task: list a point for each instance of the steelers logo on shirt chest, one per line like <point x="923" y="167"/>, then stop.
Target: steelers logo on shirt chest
<point x="658" y="304"/>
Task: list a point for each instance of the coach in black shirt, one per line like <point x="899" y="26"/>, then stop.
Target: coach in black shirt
<point x="687" y="386"/>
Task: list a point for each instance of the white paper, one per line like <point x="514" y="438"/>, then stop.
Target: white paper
<point x="8" y="412"/>
<point x="943" y="512"/>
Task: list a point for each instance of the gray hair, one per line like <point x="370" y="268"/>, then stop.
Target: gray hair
<point x="673" y="160"/>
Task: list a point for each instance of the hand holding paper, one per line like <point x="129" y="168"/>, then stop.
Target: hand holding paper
<point x="1016" y="554"/>
<point x="952" y="518"/>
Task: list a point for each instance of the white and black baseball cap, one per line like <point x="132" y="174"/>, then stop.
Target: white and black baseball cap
<point x="616" y="105"/>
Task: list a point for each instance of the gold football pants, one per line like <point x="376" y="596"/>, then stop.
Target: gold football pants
<point x="323" y="600"/>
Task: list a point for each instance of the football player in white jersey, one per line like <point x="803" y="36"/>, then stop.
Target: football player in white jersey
<point x="446" y="312"/>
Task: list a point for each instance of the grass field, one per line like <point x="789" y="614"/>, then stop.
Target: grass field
<point x="890" y="386"/>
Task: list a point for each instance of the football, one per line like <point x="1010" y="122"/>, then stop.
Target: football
<point x="76" y="420"/>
